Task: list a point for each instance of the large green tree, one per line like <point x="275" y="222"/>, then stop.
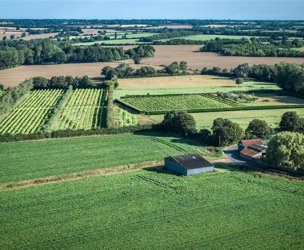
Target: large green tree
<point x="180" y="123"/>
<point x="226" y="132"/>
<point x="292" y="122"/>
<point x="258" y="129"/>
<point x="286" y="149"/>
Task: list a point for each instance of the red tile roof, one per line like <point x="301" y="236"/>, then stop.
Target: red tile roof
<point x="249" y="152"/>
<point x="247" y="143"/>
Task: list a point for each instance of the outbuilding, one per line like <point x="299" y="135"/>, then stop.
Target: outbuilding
<point x="190" y="164"/>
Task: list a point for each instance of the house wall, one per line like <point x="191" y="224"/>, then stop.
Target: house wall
<point x="175" y="167"/>
<point x="200" y="170"/>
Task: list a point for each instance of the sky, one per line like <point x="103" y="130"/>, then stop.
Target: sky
<point x="154" y="9"/>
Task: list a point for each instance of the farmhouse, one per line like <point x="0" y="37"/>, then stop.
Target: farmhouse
<point x="252" y="149"/>
<point x="246" y="143"/>
<point x="190" y="164"/>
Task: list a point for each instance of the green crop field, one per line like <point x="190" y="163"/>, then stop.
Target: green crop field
<point x="30" y="160"/>
<point x="145" y="89"/>
<point x="150" y="210"/>
<point x="272" y="117"/>
<point x="207" y="37"/>
<point x="30" y="114"/>
<point x="178" y="102"/>
<point x="82" y="111"/>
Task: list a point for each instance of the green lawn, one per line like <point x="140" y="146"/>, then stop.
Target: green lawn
<point x="36" y="159"/>
<point x="207" y="37"/>
<point x="273" y="117"/>
<point x="150" y="210"/>
<point x="248" y="86"/>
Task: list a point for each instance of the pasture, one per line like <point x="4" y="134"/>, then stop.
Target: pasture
<point x="152" y="209"/>
<point x="272" y="117"/>
<point x="31" y="112"/>
<point x="37" y="159"/>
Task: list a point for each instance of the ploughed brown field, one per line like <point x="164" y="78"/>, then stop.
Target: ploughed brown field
<point x="12" y="77"/>
<point x="198" y="60"/>
<point x="164" y="55"/>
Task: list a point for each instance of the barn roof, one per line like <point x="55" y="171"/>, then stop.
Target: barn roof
<point x="191" y="161"/>
<point x="249" y="152"/>
<point x="259" y="148"/>
<point x="247" y="143"/>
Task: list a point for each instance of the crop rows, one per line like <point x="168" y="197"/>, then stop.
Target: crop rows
<point x="178" y="102"/>
<point x="30" y="114"/>
<point x="82" y="110"/>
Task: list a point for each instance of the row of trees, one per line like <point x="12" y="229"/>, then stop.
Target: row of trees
<point x="62" y="82"/>
<point x="225" y="132"/>
<point x="14" y="53"/>
<point x="255" y="47"/>
<point x="12" y="95"/>
<point x="125" y="71"/>
<point x="288" y="76"/>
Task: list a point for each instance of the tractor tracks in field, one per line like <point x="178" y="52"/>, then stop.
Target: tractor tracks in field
<point x="73" y="176"/>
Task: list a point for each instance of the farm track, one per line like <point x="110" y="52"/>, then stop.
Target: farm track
<point x="105" y="171"/>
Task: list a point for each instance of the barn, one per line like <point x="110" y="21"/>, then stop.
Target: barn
<point x="190" y="164"/>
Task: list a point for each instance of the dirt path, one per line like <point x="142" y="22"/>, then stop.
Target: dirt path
<point x="73" y="176"/>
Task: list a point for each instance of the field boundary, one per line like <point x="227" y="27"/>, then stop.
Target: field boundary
<point x="78" y="175"/>
<point x="203" y="110"/>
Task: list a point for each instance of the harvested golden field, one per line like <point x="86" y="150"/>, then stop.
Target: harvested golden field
<point x="12" y="77"/>
<point x="198" y="60"/>
<point x="3" y="33"/>
<point x="40" y="36"/>
<point x="192" y="81"/>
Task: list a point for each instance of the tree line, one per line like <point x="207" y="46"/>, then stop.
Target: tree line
<point x="255" y="47"/>
<point x="125" y="71"/>
<point x="46" y="51"/>
<point x="12" y="95"/>
<point x="288" y="76"/>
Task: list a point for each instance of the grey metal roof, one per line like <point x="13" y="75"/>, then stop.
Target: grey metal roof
<point x="191" y="161"/>
<point x="258" y="148"/>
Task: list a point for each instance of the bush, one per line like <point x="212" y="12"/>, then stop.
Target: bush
<point x="286" y="149"/>
<point x="180" y="123"/>
<point x="239" y="81"/>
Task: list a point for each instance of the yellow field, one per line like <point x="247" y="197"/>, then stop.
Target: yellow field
<point x="192" y="81"/>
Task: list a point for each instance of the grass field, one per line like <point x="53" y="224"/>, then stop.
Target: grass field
<point x="82" y="111"/>
<point x="167" y="103"/>
<point x="273" y="99"/>
<point x="207" y="37"/>
<point x="146" y="209"/>
<point x="131" y="38"/>
<point x="185" y="85"/>
<point x="31" y="113"/>
<point x="30" y="160"/>
<point x="273" y="117"/>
